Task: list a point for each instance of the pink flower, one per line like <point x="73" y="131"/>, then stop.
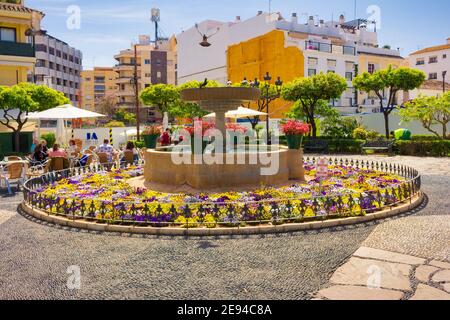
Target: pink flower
<point x="294" y="127"/>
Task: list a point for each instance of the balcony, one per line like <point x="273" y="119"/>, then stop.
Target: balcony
<point x="17" y="49"/>
<point x="330" y="48"/>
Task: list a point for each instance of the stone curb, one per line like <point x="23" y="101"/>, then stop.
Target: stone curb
<point x="204" y="232"/>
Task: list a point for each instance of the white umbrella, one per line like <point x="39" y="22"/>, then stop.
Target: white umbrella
<point x="66" y="111"/>
<point x="61" y="133"/>
<point x="240" y="113"/>
<point x="131" y="132"/>
<point x="166" y="121"/>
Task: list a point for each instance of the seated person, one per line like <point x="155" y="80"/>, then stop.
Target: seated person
<point x="165" y="138"/>
<point x="106" y="148"/>
<point x="56" y="152"/>
<point x="131" y="148"/>
<point x="44" y="146"/>
<point x="73" y="149"/>
<point x="39" y="156"/>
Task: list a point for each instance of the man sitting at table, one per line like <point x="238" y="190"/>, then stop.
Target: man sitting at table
<point x="106" y="148"/>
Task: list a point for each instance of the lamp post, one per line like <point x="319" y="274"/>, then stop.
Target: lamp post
<point x="136" y="92"/>
<point x="444" y="73"/>
<point x="268" y="97"/>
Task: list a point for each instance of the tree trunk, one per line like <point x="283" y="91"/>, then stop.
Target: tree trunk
<point x="16" y="141"/>
<point x="444" y="131"/>
<point x="313" y="128"/>
<point x="386" y="124"/>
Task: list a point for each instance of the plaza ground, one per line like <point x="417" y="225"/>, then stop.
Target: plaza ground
<point x="35" y="256"/>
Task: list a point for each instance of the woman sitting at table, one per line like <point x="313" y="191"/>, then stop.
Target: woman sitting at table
<point x="131" y="149"/>
<point x="39" y="156"/>
<point x="56" y="152"/>
<point x="73" y="150"/>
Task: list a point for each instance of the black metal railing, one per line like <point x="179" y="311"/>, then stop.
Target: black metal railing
<point x="17" y="49"/>
<point x="226" y="214"/>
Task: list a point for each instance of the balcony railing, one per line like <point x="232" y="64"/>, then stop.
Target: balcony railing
<point x="330" y="48"/>
<point x="18" y="49"/>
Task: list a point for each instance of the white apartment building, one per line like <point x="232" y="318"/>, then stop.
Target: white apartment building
<point x="434" y="61"/>
<point x="251" y="47"/>
<point x="59" y="66"/>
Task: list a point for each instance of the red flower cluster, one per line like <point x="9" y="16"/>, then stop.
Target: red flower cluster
<point x="294" y="127"/>
<point x="199" y="128"/>
<point x="236" y="128"/>
<point x="153" y="130"/>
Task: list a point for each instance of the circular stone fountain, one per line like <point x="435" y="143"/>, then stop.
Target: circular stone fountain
<point x="255" y="167"/>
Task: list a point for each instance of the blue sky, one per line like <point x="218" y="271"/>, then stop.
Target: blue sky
<point x="109" y="26"/>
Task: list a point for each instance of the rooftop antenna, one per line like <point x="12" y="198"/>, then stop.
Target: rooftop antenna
<point x="356" y="13"/>
<point x="156" y="18"/>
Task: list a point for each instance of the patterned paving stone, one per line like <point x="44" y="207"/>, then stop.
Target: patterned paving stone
<point x="367" y="272"/>
<point x="359" y="293"/>
<point x="425" y="292"/>
<point x="423" y="273"/>
<point x="365" y="252"/>
<point x="440" y="264"/>
<point x="5" y="216"/>
<point x="442" y="276"/>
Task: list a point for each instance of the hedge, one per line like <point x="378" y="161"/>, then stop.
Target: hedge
<point x="436" y="148"/>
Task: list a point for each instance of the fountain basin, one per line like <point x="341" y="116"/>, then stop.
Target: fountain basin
<point x="240" y="172"/>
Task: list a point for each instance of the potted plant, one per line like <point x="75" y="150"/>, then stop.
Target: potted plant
<point x="236" y="131"/>
<point x="295" y="131"/>
<point x="198" y="132"/>
<point x="151" y="135"/>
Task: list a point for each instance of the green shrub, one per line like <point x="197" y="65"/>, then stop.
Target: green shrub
<point x="338" y="127"/>
<point x="115" y="124"/>
<point x="437" y="148"/>
<point x="139" y="144"/>
<point x="50" y="138"/>
<point x="424" y="137"/>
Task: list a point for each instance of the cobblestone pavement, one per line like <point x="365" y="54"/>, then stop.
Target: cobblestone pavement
<point x="35" y="257"/>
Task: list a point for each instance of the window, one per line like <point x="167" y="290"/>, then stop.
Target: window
<point x="349" y="76"/>
<point x="313" y="61"/>
<point x="51" y="51"/>
<point x="99" y="79"/>
<point x="312" y="72"/>
<point x="332" y="63"/>
<point x="349" y="66"/>
<point x="88" y="79"/>
<point x="41" y="47"/>
<point x="99" y="88"/>
<point x="147" y="61"/>
<point x="8" y="34"/>
<point x="148" y="75"/>
<point x="444" y="56"/>
<point x="58" y="53"/>
<point x="65" y="56"/>
<point x="158" y="74"/>
<point x="331" y="71"/>
<point x="432" y="76"/>
<point x="371" y="68"/>
<point x="51" y="65"/>
<point x="433" y="59"/>
<point x="40" y="63"/>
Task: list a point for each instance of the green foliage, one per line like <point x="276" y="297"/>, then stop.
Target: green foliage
<point x="424" y="137"/>
<point x="25" y="98"/>
<point x="124" y="116"/>
<point x="139" y="144"/>
<point x="430" y="111"/>
<point x="437" y="148"/>
<point x="162" y="96"/>
<point x="50" y="138"/>
<point x="364" y="134"/>
<point x="387" y="84"/>
<point x="310" y="94"/>
<point x="339" y="127"/>
<point x="114" y="124"/>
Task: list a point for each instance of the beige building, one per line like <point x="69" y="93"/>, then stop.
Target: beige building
<point x="156" y="63"/>
<point x="98" y="85"/>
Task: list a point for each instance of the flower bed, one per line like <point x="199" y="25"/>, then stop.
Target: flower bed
<point x="352" y="189"/>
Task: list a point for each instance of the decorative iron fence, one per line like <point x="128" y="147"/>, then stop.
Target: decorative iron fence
<point x="226" y="214"/>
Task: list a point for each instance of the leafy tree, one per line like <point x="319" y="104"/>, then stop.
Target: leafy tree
<point x="18" y="101"/>
<point x="388" y="83"/>
<point x="107" y="105"/>
<point x="429" y="111"/>
<point x="190" y="110"/>
<point x="162" y="96"/>
<point x="124" y="116"/>
<point x="339" y="127"/>
<point x="310" y="94"/>
<point x="268" y="95"/>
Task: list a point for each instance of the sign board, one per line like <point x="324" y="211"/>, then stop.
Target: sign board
<point x="322" y="168"/>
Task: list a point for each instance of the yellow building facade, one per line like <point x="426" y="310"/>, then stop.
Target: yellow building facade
<point x="268" y="53"/>
<point x="17" y="56"/>
<point x="96" y="86"/>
